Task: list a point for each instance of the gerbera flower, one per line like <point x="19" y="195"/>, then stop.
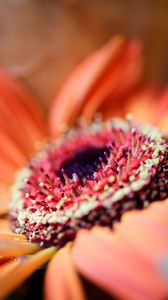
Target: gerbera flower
<point x="71" y="201"/>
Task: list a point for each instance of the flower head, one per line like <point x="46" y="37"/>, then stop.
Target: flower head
<point x="88" y="178"/>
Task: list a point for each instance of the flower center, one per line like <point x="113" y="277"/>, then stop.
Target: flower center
<point x="91" y="176"/>
<point x="84" y="163"/>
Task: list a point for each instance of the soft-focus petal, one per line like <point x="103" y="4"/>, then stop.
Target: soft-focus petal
<point x="109" y="72"/>
<point x="21" y="127"/>
<point x="116" y="84"/>
<point x="4" y="225"/>
<point x="143" y="104"/>
<point x="120" y="262"/>
<point x="149" y="104"/>
<point x="13" y="279"/>
<point x="20" y="117"/>
<point x="62" y="282"/>
<point x="12" y="244"/>
<point x="3" y="208"/>
<point x="4" y="195"/>
<point x="22" y="103"/>
<point x="161" y="114"/>
<point x="163" y="124"/>
<point x="151" y="225"/>
<point x="7" y="265"/>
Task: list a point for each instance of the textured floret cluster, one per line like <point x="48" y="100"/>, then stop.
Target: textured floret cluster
<point x="90" y="176"/>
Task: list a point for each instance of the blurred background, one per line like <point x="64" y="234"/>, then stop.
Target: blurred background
<point x="41" y="41"/>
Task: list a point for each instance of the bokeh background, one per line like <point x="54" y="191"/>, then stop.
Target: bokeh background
<point x="41" y="41"/>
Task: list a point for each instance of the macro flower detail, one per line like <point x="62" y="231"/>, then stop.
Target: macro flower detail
<point x="93" y="201"/>
<point x="89" y="177"/>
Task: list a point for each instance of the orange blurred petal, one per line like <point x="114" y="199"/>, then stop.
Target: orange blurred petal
<point x="161" y="114"/>
<point x="4" y="192"/>
<point x="11" y="158"/>
<point x="117" y="82"/>
<point x="62" y="282"/>
<point x="91" y="83"/>
<point x="3" y="207"/>
<point x="149" y="105"/>
<point x="4" y="225"/>
<point x="21" y="127"/>
<point x="22" y="103"/>
<point x="155" y="212"/>
<point x="7" y="266"/>
<point x="163" y="124"/>
<point x="19" y="109"/>
<point x="13" y="279"/>
<point x="147" y="232"/>
<point x="13" y="236"/>
<point x="143" y="104"/>
<point x="113" y="264"/>
<point x="17" y="126"/>
<point x="12" y="244"/>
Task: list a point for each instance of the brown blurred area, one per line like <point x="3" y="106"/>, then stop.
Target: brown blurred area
<point x="41" y="41"/>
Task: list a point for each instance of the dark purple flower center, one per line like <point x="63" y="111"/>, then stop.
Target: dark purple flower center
<point x="89" y="177"/>
<point x="84" y="163"/>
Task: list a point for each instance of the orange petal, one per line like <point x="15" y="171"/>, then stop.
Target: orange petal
<point x="7" y="117"/>
<point x="11" y="158"/>
<point x="155" y="212"/>
<point x="111" y="263"/>
<point x="4" y="209"/>
<point x="13" y="236"/>
<point x="15" y="245"/>
<point x="19" y="110"/>
<point x="8" y="266"/>
<point x="11" y="115"/>
<point x="21" y="126"/>
<point x="120" y="79"/>
<point x="161" y="114"/>
<point x="158" y="211"/>
<point x="163" y="124"/>
<point x="22" y="102"/>
<point x="4" y="225"/>
<point x="91" y="82"/>
<point x="147" y="230"/>
<point x="13" y="279"/>
<point x="142" y="105"/>
<point x="4" y="192"/>
<point x="149" y="105"/>
<point x="62" y="281"/>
